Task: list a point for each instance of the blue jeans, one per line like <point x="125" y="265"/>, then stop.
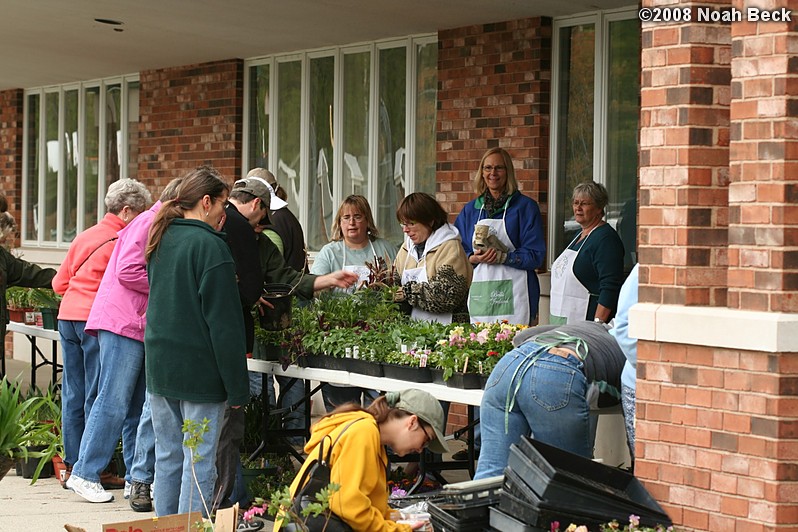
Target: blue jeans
<point x="117" y="408"/>
<point x="550" y="405"/>
<point x="290" y="396"/>
<point x="80" y="353"/>
<point x="143" y="469"/>
<point x="175" y="490"/>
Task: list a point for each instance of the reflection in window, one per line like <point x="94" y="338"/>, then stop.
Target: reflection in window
<point x="258" y="117"/>
<point x="31" y="221"/>
<point x="69" y="194"/>
<point x="623" y="111"/>
<point x="578" y="111"/>
<point x="78" y="139"/>
<point x="391" y="141"/>
<point x="320" y="187"/>
<point x="356" y="123"/>
<point x="91" y="157"/>
<point x="289" y="92"/>
<point x="426" y="105"/>
<point x="51" y="139"/>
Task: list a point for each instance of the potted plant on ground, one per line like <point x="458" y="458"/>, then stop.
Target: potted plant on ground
<point x="21" y="427"/>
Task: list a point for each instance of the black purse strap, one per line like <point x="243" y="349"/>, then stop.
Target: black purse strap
<point x="322" y="460"/>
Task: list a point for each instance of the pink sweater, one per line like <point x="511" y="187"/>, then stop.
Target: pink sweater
<point x="78" y="281"/>
<point x="121" y="303"/>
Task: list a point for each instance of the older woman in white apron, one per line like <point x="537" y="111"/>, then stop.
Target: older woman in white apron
<point x="502" y="235"/>
<point x="586" y="278"/>
<point x="354" y="243"/>
<point x="431" y="264"/>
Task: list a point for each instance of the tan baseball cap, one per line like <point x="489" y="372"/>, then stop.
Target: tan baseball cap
<point x="427" y="408"/>
<point x="271" y="182"/>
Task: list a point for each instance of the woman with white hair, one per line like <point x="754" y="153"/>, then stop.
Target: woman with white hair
<point x="78" y="279"/>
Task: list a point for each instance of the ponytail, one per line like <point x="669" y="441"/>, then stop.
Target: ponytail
<point x="200" y="182"/>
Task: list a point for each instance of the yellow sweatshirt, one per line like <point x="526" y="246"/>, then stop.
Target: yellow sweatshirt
<point x="358" y="466"/>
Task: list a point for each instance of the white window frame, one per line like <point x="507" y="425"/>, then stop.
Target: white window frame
<point x="601" y="20"/>
<point x="410" y="43"/>
<point x="124" y="82"/>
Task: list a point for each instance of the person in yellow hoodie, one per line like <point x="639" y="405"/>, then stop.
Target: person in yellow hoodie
<point x="406" y="421"/>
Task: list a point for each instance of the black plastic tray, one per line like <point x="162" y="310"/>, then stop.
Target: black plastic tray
<point x="562" y="478"/>
<point x="443" y="521"/>
<point x="499" y="520"/>
<point x="406" y="373"/>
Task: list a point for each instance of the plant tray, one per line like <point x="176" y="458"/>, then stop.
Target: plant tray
<point x="473" y="493"/>
<point x="446" y="522"/>
<point x="364" y="367"/>
<point x="466" y="381"/>
<point x="406" y="373"/>
<point x="437" y="376"/>
<point x="501" y="521"/>
<point x="565" y="479"/>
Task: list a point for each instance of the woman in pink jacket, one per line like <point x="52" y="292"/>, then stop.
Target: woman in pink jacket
<point x="78" y="279"/>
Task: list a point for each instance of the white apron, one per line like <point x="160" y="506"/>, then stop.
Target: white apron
<point x="419" y="275"/>
<point x="362" y="270"/>
<point x="499" y="292"/>
<point x="569" y="297"/>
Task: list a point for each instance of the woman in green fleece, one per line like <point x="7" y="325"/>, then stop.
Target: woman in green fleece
<point x="195" y="350"/>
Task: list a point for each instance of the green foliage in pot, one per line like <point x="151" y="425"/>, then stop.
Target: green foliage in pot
<point x="18" y="297"/>
<point x="22" y="426"/>
<point x="44" y="298"/>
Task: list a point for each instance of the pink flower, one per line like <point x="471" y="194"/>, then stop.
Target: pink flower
<point x="252" y="512"/>
<point x="482" y="336"/>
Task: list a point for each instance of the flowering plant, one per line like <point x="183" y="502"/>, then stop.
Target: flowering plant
<point x="613" y="526"/>
<point x="474" y="348"/>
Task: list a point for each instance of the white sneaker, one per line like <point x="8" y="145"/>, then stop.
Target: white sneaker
<point x="128" y="487"/>
<point x="91" y="491"/>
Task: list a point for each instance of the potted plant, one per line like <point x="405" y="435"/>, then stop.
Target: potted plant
<point x="45" y="301"/>
<point x="21" y="427"/>
<point x="18" y="303"/>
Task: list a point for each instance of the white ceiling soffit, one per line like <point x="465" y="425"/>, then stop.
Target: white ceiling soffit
<point x="47" y="42"/>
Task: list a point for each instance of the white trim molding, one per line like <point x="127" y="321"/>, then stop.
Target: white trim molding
<point x="771" y="332"/>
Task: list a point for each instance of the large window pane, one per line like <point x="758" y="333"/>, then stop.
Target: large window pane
<point x="132" y="130"/>
<point x="320" y="191"/>
<point x="391" y="140"/>
<point x="69" y="192"/>
<point x="113" y="135"/>
<point x="51" y="104"/>
<point x="32" y="186"/>
<point x="356" y="123"/>
<point x="289" y="82"/>
<point x="426" y="105"/>
<point x="623" y="110"/>
<point x="91" y="156"/>
<point x="575" y="127"/>
<point x="258" y="117"/>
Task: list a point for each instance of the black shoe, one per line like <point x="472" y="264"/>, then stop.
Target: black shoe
<point x="462" y="454"/>
<point x="140" y="497"/>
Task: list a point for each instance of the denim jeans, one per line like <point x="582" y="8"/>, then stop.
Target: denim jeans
<point x="175" y="490"/>
<point x="550" y="406"/>
<point x="117" y="408"/>
<point x="80" y="353"/>
<point x="290" y="394"/>
<point x="628" y="406"/>
<point x="143" y="469"/>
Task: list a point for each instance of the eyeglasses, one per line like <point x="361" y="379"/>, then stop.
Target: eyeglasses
<point x="489" y="168"/>
<point x="408" y="224"/>
<point x="427" y="438"/>
<point x="582" y="203"/>
<point x="346" y="218"/>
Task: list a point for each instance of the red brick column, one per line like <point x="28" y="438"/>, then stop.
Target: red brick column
<point x="494" y="84"/>
<point x="684" y="153"/>
<point x="763" y="195"/>
<point x="191" y="115"/>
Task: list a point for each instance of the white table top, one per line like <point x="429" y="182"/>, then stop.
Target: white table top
<point x="439" y="391"/>
<point x="33" y="330"/>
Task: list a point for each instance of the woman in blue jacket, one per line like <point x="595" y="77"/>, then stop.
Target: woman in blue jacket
<point x="508" y="247"/>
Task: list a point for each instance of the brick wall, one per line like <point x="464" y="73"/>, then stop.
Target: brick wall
<point x="684" y="163"/>
<point x="11" y="121"/>
<point x="716" y="426"/>
<point x="493" y="90"/>
<point x="190" y="115"/>
<point x="763" y="232"/>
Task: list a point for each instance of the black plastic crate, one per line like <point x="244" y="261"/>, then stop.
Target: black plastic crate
<point x="500" y="520"/>
<point x="472" y="493"/>
<point x="444" y="521"/>
<point x="564" y="479"/>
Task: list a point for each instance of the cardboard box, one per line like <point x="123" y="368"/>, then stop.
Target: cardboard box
<point x="167" y="523"/>
<point x="226" y="521"/>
